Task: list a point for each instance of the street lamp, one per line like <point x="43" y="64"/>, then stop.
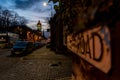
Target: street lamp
<point x="46" y="4"/>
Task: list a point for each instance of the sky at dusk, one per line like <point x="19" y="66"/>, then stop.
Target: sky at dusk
<point x="32" y="10"/>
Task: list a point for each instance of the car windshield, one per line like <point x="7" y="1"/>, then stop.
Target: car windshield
<point x="20" y="44"/>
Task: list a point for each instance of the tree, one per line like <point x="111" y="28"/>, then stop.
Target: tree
<point x="80" y="14"/>
<point x="10" y="18"/>
<point x="0" y="17"/>
<point x="22" y="20"/>
<point x="6" y="18"/>
<point x="67" y="12"/>
<point x="76" y="15"/>
<point x="14" y="18"/>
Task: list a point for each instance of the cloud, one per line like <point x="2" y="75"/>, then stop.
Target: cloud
<point x="24" y="4"/>
<point x="7" y="3"/>
<point x="35" y="6"/>
<point x="32" y="10"/>
<point x="33" y="17"/>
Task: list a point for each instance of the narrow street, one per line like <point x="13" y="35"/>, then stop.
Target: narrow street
<point x="42" y="64"/>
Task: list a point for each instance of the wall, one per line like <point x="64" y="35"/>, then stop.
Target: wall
<point x="95" y="57"/>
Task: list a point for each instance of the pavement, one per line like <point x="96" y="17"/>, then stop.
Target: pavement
<point x="42" y="64"/>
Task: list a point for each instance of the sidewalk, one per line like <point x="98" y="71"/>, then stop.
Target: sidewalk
<point x="42" y="64"/>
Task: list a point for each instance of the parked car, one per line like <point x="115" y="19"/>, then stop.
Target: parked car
<point x="38" y="44"/>
<point x="22" y="48"/>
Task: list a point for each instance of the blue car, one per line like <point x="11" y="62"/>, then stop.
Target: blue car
<point x="22" y="48"/>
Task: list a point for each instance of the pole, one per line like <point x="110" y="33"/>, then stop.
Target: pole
<point x="43" y="34"/>
<point x="51" y="10"/>
<point x="46" y="4"/>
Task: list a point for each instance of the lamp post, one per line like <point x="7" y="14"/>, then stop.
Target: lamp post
<point x="51" y="14"/>
<point x="46" y="4"/>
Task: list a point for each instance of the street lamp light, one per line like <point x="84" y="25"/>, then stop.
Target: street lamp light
<point x="44" y="4"/>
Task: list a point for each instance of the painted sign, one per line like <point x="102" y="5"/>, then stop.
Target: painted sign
<point x="92" y="45"/>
